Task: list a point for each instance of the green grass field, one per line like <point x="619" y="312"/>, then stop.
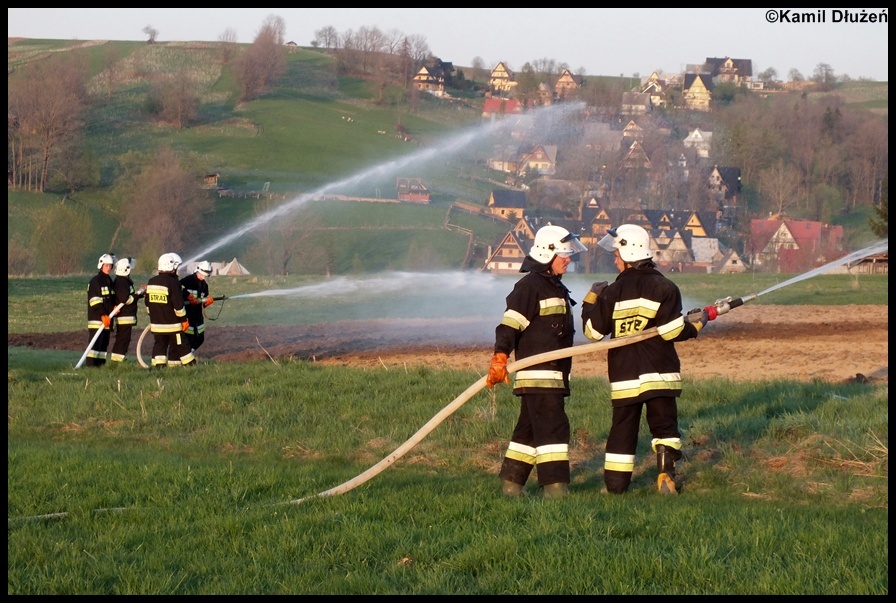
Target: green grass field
<point x="185" y="482"/>
<point x="129" y="481"/>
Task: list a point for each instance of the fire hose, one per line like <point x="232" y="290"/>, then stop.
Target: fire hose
<point x="719" y="307"/>
<point x="148" y="329"/>
<point x="97" y="336"/>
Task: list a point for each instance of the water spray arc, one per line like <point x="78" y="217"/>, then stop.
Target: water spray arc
<point x="452" y="146"/>
<point x="875" y="248"/>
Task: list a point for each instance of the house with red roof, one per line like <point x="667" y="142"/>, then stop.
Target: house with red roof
<point x="784" y="245"/>
<point x="495" y="107"/>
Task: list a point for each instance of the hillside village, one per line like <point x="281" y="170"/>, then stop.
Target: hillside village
<point x="642" y="155"/>
<point x="683" y="238"/>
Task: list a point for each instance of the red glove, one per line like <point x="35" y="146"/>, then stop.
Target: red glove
<point x="497" y="372"/>
<point x="107" y="322"/>
<point x="185" y="325"/>
<point x="209" y="301"/>
<point x="192" y="299"/>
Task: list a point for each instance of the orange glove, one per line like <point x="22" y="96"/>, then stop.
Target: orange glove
<point x="192" y="299"/>
<point x="107" y="322"/>
<point x="497" y="372"/>
<point x="209" y="301"/>
<point x="185" y="325"/>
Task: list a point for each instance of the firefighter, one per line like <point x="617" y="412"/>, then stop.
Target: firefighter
<point x="100" y="304"/>
<point x="167" y="315"/>
<point x="538" y="318"/>
<point x="645" y="374"/>
<point x="126" y="319"/>
<point x="195" y="292"/>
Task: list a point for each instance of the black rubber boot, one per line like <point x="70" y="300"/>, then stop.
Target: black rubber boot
<point x="665" y="465"/>
<point x="558" y="490"/>
<point x="511" y="489"/>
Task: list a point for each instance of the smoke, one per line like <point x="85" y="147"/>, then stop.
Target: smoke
<point x="451" y="307"/>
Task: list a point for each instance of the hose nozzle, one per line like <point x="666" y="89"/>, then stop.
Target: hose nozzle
<point x="220" y="297"/>
<point x="724" y="305"/>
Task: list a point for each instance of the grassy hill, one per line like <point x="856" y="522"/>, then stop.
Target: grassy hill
<point x="314" y="132"/>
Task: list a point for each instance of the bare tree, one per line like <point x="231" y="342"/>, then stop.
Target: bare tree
<point x="264" y="61"/>
<point x="109" y="76"/>
<point x="603" y="94"/>
<point x="45" y="108"/>
<point x="779" y="185"/>
<point x="152" y="32"/>
<point x="549" y="69"/>
<point x="164" y="206"/>
<point x="769" y="75"/>
<point x="802" y="125"/>
<point x="823" y="74"/>
<point x="370" y="42"/>
<point x="405" y="65"/>
<point x="795" y="75"/>
<point x="868" y="160"/>
<point x="420" y="51"/>
<point x="829" y="163"/>
<point x="526" y="89"/>
<point x="745" y="136"/>
<point x="174" y="99"/>
<point x="698" y="194"/>
<point x="392" y="41"/>
<point x="327" y="37"/>
<point x="347" y="52"/>
<point x="880" y="220"/>
<point x="228" y="39"/>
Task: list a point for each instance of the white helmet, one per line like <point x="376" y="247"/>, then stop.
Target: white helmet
<point x="124" y="266"/>
<point x="169" y="262"/>
<point x="553" y="240"/>
<point x="632" y="241"/>
<point x="204" y="267"/>
<point x="106" y="258"/>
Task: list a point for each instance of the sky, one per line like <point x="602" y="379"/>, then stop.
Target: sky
<point x="602" y="41"/>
